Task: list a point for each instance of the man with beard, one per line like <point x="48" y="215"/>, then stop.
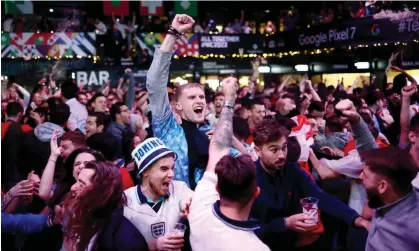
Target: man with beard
<point x="218" y="104"/>
<point x="387" y="177"/>
<point x="188" y="140"/>
<point x="155" y="205"/>
<point x="283" y="184"/>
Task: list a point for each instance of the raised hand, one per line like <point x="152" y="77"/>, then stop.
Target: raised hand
<point x="408" y="91"/>
<point x="55" y="150"/>
<point x="230" y="88"/>
<point x="347" y="108"/>
<point x="23" y="188"/>
<point x="182" y="23"/>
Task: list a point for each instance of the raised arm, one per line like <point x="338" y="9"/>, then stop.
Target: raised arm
<point x="283" y="84"/>
<point x="223" y="134"/>
<point x="408" y="76"/>
<point x="158" y="74"/>
<point x="324" y="172"/>
<point x="313" y="92"/>
<point x="25" y="93"/>
<point x="45" y="187"/>
<point x="407" y="93"/>
<point x="363" y="136"/>
<point x="129" y="99"/>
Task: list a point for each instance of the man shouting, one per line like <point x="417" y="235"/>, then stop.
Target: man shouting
<point x="188" y="140"/>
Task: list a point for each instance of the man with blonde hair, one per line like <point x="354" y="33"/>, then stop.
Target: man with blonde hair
<point x="188" y="140"/>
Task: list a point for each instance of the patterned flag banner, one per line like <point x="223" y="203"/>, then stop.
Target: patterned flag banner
<point x="187" y="7"/>
<point x="151" y="8"/>
<point x="118" y="8"/>
<point x="47" y="44"/>
<point x="187" y="45"/>
<point x="18" y="7"/>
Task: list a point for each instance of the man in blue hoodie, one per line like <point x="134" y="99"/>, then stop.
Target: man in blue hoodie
<point x="282" y="185"/>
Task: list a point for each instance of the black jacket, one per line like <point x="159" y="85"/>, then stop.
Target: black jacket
<point x="121" y="235"/>
<point x="10" y="150"/>
<point x="33" y="155"/>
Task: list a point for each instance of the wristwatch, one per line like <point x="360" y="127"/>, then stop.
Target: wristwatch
<point x="229" y="104"/>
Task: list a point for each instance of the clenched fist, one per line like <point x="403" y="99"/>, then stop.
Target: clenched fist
<point x="182" y="23"/>
<point x="347" y="108"/>
<point x="230" y="88"/>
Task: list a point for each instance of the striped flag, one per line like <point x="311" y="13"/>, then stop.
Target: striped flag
<point x="18" y="7"/>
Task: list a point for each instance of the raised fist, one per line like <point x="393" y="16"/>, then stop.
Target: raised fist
<point x="230" y="87"/>
<point x="182" y="23"/>
<point x="347" y="108"/>
<point x="408" y="91"/>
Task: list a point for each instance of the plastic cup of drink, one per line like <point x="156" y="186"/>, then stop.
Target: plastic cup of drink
<point x="310" y="207"/>
<point x="179" y="229"/>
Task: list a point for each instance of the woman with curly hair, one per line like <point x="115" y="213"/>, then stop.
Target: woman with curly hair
<point x="92" y="213"/>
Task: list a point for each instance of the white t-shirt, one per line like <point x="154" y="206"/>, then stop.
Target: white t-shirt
<point x="350" y="166"/>
<point x="212" y="231"/>
<point x="78" y="115"/>
<point x="247" y="29"/>
<point x="153" y="224"/>
<point x="121" y="28"/>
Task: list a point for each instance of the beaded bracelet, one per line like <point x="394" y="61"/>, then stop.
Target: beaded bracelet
<point x="173" y="31"/>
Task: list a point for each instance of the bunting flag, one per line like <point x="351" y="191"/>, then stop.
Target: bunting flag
<point x="186" y="45"/>
<point x="18" y="7"/>
<point x="189" y="8"/>
<point x="151" y="8"/>
<point x="47" y="44"/>
<point x="118" y="8"/>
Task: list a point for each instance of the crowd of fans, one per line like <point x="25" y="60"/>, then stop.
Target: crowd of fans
<point x="151" y="169"/>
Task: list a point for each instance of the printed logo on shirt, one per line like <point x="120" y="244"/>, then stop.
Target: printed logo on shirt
<point x="158" y="229"/>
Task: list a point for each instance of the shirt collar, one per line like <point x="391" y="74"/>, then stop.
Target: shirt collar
<point x="141" y="198"/>
<point x="409" y="199"/>
<point x="248" y="225"/>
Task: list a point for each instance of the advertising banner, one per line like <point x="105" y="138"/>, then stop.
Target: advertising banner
<point x="230" y="44"/>
<point x="369" y="30"/>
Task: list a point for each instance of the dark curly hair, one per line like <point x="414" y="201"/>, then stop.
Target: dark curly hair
<point x="90" y="210"/>
<point x="268" y="130"/>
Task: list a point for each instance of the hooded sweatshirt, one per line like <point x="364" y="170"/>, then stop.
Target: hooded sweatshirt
<point x="44" y="131"/>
